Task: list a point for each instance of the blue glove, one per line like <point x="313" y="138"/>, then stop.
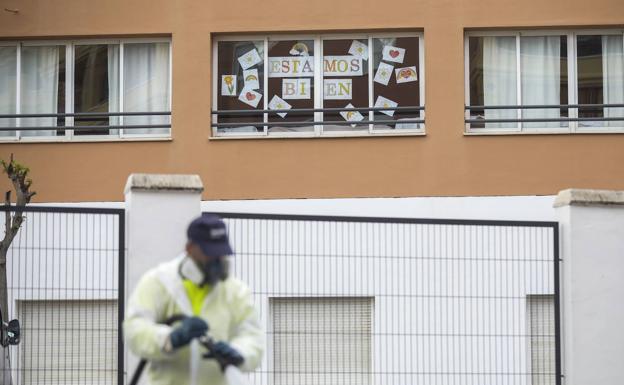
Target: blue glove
<point x="225" y="354"/>
<point x="191" y="327"/>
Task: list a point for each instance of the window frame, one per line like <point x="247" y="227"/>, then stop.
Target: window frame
<point x="318" y="85"/>
<point x="572" y="77"/>
<point x="70" y="46"/>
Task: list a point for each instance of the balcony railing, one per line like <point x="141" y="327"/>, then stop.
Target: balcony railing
<point x="315" y="117"/>
<point x="572" y="111"/>
<point x="73" y="121"/>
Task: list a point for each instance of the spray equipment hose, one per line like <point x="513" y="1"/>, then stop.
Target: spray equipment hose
<point x="139" y="370"/>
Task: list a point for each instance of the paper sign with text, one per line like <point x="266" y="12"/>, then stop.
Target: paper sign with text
<point x="291" y="67"/>
<point x="342" y="66"/>
<point x="337" y="89"/>
<point x="296" y="89"/>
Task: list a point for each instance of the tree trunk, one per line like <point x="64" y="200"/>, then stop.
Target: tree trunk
<point x="5" y="362"/>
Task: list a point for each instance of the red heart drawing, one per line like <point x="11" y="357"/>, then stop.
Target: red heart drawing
<point x="250" y="96"/>
<point x="394" y="53"/>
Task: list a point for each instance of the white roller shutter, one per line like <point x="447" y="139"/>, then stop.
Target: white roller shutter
<point x="542" y="339"/>
<point x="321" y="341"/>
<point x="68" y="342"/>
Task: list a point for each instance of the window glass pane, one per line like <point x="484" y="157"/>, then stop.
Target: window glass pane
<point x="8" y="87"/>
<point x="291" y="83"/>
<point x="42" y="87"/>
<point x="493" y="78"/>
<point x="146" y="86"/>
<point x="345" y="82"/>
<point x="96" y="86"/>
<point x="396" y="81"/>
<point x="600" y="69"/>
<point x="542" y="81"/>
<point x="237" y="61"/>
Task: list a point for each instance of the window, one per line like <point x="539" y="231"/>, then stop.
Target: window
<point x="564" y="80"/>
<point x="87" y="89"/>
<point x="318" y="86"/>
<point x="321" y="340"/>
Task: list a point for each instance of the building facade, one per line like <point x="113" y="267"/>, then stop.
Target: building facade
<point x="179" y="57"/>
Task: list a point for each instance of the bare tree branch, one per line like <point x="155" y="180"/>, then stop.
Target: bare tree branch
<point x="18" y="175"/>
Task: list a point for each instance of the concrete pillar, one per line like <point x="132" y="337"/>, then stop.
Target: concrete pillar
<point x="592" y="278"/>
<point x="158" y="210"/>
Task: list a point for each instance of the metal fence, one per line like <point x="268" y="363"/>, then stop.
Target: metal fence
<point x="65" y="286"/>
<point x="348" y="300"/>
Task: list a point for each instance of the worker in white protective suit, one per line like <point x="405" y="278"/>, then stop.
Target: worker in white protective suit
<point x="196" y="284"/>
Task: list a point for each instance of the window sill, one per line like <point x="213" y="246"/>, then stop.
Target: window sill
<point x="324" y="136"/>
<point x="86" y="140"/>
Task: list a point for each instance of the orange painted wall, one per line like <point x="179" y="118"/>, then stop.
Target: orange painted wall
<point x="443" y="163"/>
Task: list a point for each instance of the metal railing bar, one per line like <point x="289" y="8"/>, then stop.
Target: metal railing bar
<point x="83" y="128"/>
<point x="63" y="209"/>
<point x="432" y="221"/>
<point x="545" y="120"/>
<point x="84" y="114"/>
<point x="304" y="110"/>
<point x="530" y="106"/>
<point x="322" y="122"/>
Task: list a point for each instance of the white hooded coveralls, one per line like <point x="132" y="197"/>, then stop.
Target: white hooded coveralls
<point x="228" y="310"/>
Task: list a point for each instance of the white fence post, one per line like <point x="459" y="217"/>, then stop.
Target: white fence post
<point x="158" y="210"/>
<point x="592" y="249"/>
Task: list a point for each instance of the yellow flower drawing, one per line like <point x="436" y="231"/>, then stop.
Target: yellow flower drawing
<point x="229" y="82"/>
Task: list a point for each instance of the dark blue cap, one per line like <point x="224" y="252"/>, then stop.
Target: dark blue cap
<point x="209" y="232"/>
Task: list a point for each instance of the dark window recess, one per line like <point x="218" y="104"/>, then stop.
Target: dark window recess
<point x="475" y="73"/>
<point x="589" y="70"/>
<point x="91" y="87"/>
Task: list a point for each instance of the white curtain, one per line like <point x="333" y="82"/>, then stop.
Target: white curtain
<point x="8" y="85"/>
<point x="39" y="87"/>
<point x="499" y="78"/>
<point x="613" y="77"/>
<point x="146" y="85"/>
<point x="113" y="85"/>
<point x="540" y="78"/>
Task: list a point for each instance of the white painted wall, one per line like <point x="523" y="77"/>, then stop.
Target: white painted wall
<point x="592" y="242"/>
<point x="156" y="228"/>
<point x="534" y="208"/>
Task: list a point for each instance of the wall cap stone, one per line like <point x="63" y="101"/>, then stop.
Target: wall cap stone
<point x="164" y="182"/>
<point x="587" y="197"/>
